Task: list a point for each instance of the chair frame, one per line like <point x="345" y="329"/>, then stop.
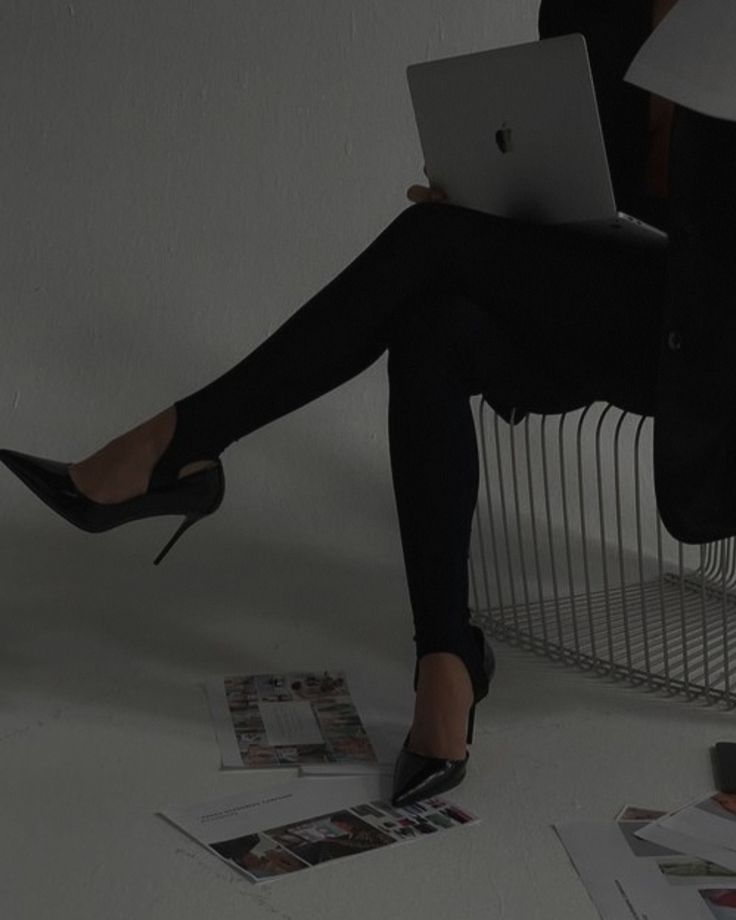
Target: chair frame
<point x="569" y="584"/>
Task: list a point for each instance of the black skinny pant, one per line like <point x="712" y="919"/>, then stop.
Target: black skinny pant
<point x="466" y="303"/>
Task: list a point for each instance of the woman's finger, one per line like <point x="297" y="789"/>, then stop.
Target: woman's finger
<point x="418" y="193"/>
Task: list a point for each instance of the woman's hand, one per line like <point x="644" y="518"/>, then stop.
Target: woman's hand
<point x="417" y="193"/>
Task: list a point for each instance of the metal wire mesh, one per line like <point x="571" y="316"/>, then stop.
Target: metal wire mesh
<point x="569" y="557"/>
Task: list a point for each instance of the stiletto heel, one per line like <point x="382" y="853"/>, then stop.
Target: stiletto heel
<point x="471" y="719"/>
<point x="187" y="522"/>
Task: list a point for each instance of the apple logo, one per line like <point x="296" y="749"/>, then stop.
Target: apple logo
<point x="503" y="139"/>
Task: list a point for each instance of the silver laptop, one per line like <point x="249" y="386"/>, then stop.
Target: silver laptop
<point x="516" y="131"/>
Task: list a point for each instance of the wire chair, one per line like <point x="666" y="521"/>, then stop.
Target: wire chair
<point x="569" y="557"/>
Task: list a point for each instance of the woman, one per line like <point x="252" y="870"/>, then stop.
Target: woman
<point x="440" y="288"/>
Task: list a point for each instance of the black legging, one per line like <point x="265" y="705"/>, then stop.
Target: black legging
<point x="466" y="302"/>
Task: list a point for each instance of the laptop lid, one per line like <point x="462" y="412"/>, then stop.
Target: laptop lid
<point x="516" y="131"/>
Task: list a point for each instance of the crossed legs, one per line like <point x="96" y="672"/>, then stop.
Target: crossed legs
<point x="415" y="290"/>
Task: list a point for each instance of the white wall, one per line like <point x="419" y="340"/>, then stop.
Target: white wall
<point x="178" y="178"/>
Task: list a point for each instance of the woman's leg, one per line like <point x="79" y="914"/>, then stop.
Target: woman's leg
<point x="434" y="465"/>
<point x="448" y="349"/>
<point x="338" y="333"/>
<point x="556" y="297"/>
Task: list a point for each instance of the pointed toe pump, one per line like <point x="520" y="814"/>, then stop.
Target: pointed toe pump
<point x="418" y="777"/>
<point x="195" y="496"/>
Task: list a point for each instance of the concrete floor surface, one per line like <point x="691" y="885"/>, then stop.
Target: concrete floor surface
<point x="103" y="723"/>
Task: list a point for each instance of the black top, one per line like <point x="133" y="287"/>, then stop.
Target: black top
<point x="614" y="31"/>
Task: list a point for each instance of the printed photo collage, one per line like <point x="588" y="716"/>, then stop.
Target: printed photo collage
<point x="302" y="845"/>
<point x="343" y="734"/>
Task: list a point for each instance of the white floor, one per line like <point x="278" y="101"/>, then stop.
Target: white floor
<point x="103" y="723"/>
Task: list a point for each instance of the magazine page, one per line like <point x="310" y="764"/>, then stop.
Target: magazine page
<point x="313" y="720"/>
<point x="310" y="821"/>
<point x="689" y="58"/>
<point x="709" y="821"/>
<point x="684" y="843"/>
<point x="629" y="877"/>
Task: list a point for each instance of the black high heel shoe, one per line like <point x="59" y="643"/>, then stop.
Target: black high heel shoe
<point x="417" y="777"/>
<point x="196" y="496"/>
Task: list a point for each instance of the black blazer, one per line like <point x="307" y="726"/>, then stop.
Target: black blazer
<point x="695" y="415"/>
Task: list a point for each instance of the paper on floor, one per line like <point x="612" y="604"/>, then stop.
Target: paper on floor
<point x="627" y="877"/>
<point x="311" y="821"/>
<point x="705" y="827"/>
<point x="313" y="720"/>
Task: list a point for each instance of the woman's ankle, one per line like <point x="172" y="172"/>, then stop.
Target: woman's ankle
<point x="443" y="700"/>
<point x="446" y="673"/>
